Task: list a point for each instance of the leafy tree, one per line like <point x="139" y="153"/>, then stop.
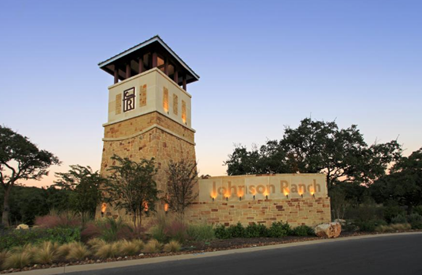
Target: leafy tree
<point x="318" y="147"/>
<point x="182" y="178"/>
<point x="20" y="159"/>
<point x="85" y="186"/>
<point x="132" y="187"/>
<point x="404" y="183"/>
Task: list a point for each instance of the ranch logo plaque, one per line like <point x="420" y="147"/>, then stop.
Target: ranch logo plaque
<point x="279" y="186"/>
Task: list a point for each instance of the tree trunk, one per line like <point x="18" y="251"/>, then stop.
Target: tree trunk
<point x="5" y="215"/>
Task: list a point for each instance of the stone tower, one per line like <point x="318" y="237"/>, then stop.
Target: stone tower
<point x="149" y="109"/>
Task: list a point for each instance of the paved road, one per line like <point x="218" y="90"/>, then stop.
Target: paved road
<point x="397" y="254"/>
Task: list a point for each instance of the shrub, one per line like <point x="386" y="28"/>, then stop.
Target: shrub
<point x="370" y="226"/>
<point x="236" y="231"/>
<point x="303" y="230"/>
<point x="415" y="221"/>
<point x="401" y="226"/>
<point x="398" y="219"/>
<point x="221" y="232"/>
<point x="176" y="230"/>
<point x="108" y="250"/>
<point x="63" y="250"/>
<point x="17" y="260"/>
<point x="165" y="229"/>
<point x="3" y="255"/>
<point x="91" y="230"/>
<point x="254" y="230"/>
<point x="112" y="230"/>
<point x="54" y="220"/>
<point x="418" y="209"/>
<point x="130" y="248"/>
<point x="279" y="229"/>
<point x="95" y="243"/>
<point x="200" y="232"/>
<point x="153" y="246"/>
<point x="392" y="227"/>
<point x="172" y="246"/>
<point x="46" y="253"/>
<point x="392" y="212"/>
<point x="77" y="251"/>
<point x="14" y="238"/>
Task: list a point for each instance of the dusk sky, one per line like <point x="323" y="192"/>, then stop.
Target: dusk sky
<point x="264" y="65"/>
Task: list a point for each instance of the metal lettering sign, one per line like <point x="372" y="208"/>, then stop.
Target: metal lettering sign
<point x="129" y="99"/>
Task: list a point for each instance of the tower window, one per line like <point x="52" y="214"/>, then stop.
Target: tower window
<point x="129" y="99"/>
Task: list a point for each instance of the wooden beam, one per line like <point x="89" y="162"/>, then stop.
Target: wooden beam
<point x="141" y="64"/>
<point x="128" y="71"/>
<point x="165" y="66"/>
<point x="184" y="83"/>
<point x="154" y="59"/>
<point x="116" y="74"/>
<point x="176" y="76"/>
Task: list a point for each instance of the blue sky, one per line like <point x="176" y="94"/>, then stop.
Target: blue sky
<point x="263" y="65"/>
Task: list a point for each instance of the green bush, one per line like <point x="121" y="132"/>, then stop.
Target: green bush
<point x="399" y="219"/>
<point x="391" y="212"/>
<point x="418" y="209"/>
<point x="279" y="229"/>
<point x="303" y="230"/>
<point x="221" y="232"/>
<point x="256" y="230"/>
<point x="13" y="238"/>
<point x="200" y="232"/>
<point x="237" y="231"/>
<point x="415" y="221"/>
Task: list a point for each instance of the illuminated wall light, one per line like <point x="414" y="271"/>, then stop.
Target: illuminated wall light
<point x="103" y="208"/>
<point x="213" y="196"/>
<point x="166" y="207"/>
<point x="286" y="192"/>
<point x="146" y="207"/>
<point x="240" y="195"/>
<point x="227" y="196"/>
<point x="301" y="192"/>
<point x="312" y="191"/>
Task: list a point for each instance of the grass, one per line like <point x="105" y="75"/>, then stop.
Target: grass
<point x="172" y="246"/>
<point x="108" y="250"/>
<point x="3" y="256"/>
<point x="17" y="260"/>
<point x="201" y="232"/>
<point x="152" y="246"/>
<point x="77" y="251"/>
<point x="130" y="248"/>
<point x="393" y="227"/>
<point x="46" y="253"/>
<point x="95" y="244"/>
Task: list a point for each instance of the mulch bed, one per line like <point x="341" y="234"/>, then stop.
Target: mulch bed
<point x="193" y="248"/>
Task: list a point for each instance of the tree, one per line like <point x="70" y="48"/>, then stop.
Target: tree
<point x="85" y="186"/>
<point x="318" y="147"/>
<point x="403" y="184"/>
<point x="20" y="159"/>
<point x="131" y="186"/>
<point x="182" y="178"/>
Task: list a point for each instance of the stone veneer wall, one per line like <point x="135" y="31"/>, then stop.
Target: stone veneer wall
<point x="297" y="211"/>
<point x="147" y="136"/>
